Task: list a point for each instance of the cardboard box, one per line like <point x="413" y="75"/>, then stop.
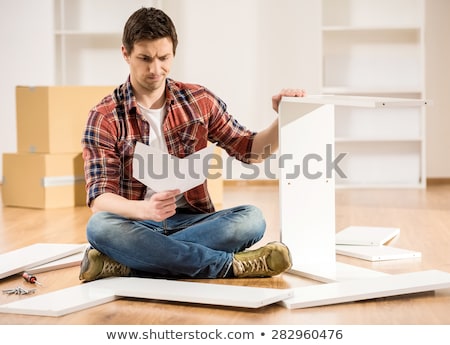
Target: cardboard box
<point x="38" y="180"/>
<point x="51" y="119"/>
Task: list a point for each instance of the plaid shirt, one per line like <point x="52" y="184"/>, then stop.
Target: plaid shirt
<point x="194" y="117"/>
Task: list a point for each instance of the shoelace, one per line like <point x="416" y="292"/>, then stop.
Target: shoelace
<point x="255" y="265"/>
<point x="113" y="268"/>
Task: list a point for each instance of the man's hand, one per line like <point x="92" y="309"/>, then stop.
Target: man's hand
<point x="288" y="93"/>
<point x="160" y="206"/>
<point x="266" y="141"/>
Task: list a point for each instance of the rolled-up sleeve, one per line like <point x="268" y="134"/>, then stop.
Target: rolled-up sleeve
<point x="102" y="163"/>
<point x="233" y="137"/>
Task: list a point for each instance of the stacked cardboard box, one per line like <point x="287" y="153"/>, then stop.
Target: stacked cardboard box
<point x="47" y="170"/>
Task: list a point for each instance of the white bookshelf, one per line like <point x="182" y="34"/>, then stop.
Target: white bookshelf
<point x="376" y="48"/>
<point x="88" y="36"/>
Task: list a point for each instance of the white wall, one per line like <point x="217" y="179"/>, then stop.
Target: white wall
<point x="246" y="51"/>
<point x="27" y="58"/>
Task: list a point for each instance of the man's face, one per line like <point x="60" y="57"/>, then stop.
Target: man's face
<point x="150" y="62"/>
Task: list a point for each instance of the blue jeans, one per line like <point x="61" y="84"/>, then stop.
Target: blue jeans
<point x="186" y="245"/>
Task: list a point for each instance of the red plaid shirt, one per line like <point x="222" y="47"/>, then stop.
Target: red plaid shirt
<point x="194" y="117"/>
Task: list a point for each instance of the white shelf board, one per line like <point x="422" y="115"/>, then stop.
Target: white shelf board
<point x="333" y="273"/>
<point x="366" y="235"/>
<point x="377" y="253"/>
<point x="62" y="302"/>
<point x="357" y="101"/>
<point x="68" y="261"/>
<point x="370" y="288"/>
<point x="19" y="260"/>
<point x="194" y="292"/>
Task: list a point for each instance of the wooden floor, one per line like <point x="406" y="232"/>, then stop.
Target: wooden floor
<point x="422" y="215"/>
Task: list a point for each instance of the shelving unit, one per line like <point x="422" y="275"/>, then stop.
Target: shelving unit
<point x="88" y="39"/>
<point x="369" y="49"/>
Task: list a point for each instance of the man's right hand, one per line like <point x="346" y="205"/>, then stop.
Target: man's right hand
<point x="161" y="205"/>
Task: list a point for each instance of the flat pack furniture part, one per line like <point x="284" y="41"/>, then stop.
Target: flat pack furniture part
<point x="307" y="180"/>
<point x="19" y="260"/>
<point x="202" y="293"/>
<point x="101" y="291"/>
<point x="369" y="288"/>
<point x="62" y="302"/>
<point x="367" y="243"/>
<point x="377" y="253"/>
<point x="338" y="272"/>
<point x="366" y="235"/>
<point x="68" y="261"/>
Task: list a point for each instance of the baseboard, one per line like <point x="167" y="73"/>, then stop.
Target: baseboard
<point x="435" y="181"/>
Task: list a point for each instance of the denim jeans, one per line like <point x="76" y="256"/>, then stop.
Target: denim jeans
<point x="186" y="245"/>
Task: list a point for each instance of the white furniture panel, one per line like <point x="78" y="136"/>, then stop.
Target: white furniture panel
<point x="305" y="130"/>
<point x="377" y="253"/>
<point x="369" y="288"/>
<point x="17" y="261"/>
<point x="62" y="302"/>
<point x="68" y="261"/>
<point x="366" y="235"/>
<point x="194" y="292"/>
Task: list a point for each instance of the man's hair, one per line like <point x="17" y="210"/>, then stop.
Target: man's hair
<point x="148" y="24"/>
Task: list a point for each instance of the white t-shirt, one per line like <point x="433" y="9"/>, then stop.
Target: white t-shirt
<point x="155" y="118"/>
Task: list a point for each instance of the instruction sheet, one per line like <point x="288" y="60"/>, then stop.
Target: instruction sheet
<point x="161" y="171"/>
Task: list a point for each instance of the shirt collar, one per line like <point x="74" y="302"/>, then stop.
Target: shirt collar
<point x="130" y="100"/>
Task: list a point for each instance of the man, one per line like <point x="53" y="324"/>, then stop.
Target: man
<point x="135" y="231"/>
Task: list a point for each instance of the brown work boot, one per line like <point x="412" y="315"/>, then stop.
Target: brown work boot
<point x="96" y="265"/>
<point x="270" y="260"/>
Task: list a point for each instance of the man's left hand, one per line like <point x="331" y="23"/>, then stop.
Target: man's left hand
<point x="288" y="93"/>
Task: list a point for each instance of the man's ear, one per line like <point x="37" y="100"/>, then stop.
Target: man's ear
<point x="125" y="55"/>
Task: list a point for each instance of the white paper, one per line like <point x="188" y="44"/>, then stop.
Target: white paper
<point x="161" y="171"/>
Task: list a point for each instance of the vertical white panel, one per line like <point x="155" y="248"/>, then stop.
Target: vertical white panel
<point x="307" y="189"/>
